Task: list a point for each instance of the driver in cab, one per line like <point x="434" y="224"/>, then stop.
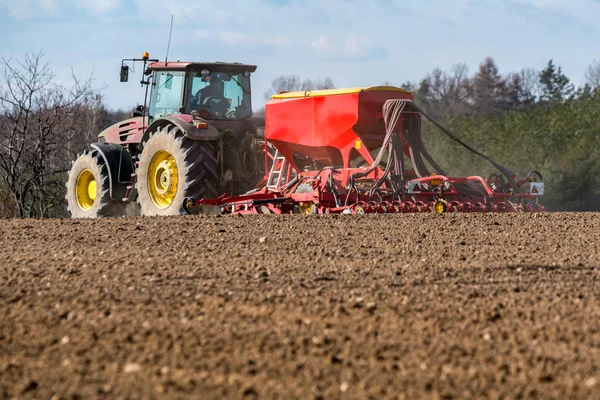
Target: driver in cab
<point x="211" y="99"/>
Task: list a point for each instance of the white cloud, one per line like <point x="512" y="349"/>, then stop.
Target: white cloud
<point x="277" y="41"/>
<point x="97" y="6"/>
<point x="239" y="38"/>
<point x="26" y="9"/>
<point x="585" y="11"/>
<point x="204" y="12"/>
<point x="202" y="34"/>
<point x="321" y="44"/>
<point x="235" y="38"/>
<point x="358" y="45"/>
<point x="49" y="5"/>
<point x="347" y="48"/>
<point x="18" y="9"/>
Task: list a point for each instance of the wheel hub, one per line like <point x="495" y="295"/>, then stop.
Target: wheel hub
<point x="305" y="207"/>
<point x="162" y="179"/>
<point x="92" y="190"/>
<point x="85" y="189"/>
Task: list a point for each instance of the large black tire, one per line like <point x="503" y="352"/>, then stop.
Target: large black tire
<point x="193" y="163"/>
<point x="91" y="165"/>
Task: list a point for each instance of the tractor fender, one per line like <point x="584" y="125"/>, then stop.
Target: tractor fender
<point x="187" y="124"/>
<point x="119" y="164"/>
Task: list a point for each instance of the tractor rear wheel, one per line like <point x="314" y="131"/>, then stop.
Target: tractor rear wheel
<point x="88" y="189"/>
<point x="172" y="168"/>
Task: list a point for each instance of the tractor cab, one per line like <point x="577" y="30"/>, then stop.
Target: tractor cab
<point x="213" y="91"/>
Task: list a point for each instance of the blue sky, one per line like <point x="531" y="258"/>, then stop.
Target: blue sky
<point x="355" y="42"/>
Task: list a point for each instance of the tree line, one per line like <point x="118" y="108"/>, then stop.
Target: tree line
<point x="43" y="126"/>
<point x="456" y="93"/>
<point x="527" y="119"/>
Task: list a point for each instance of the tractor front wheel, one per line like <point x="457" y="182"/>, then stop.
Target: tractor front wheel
<point x="172" y="168"/>
<point x="88" y="189"/>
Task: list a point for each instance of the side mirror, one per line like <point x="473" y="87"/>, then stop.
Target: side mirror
<point x="124" y="73"/>
<point x="138" y="112"/>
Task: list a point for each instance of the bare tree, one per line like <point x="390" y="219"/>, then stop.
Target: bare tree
<point x="530" y="82"/>
<point x="41" y="125"/>
<point x="523" y="88"/>
<point x="446" y="94"/>
<point x="292" y="83"/>
<point x="592" y="75"/>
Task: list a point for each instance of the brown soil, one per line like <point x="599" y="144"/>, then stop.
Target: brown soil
<point x="400" y="306"/>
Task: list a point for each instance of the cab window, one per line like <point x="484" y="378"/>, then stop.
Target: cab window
<point x="167" y="93"/>
<point x="233" y="90"/>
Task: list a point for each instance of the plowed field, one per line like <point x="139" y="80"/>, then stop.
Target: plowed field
<point x="400" y="306"/>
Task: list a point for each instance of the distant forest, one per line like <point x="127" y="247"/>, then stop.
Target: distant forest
<point x="525" y="120"/>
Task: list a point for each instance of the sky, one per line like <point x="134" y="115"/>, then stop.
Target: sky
<point x="354" y="42"/>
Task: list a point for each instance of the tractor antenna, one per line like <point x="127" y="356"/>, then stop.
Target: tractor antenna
<point x="169" y="44"/>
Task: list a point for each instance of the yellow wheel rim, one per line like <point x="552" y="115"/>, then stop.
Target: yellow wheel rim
<point x="305" y="207"/>
<point x="359" y="210"/>
<point x="85" y="189"/>
<point x="162" y="179"/>
<point x="440" y="206"/>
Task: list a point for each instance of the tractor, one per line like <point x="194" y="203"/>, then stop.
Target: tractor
<point x="195" y="137"/>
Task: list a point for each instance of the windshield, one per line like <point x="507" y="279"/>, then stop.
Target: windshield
<point x="219" y="95"/>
